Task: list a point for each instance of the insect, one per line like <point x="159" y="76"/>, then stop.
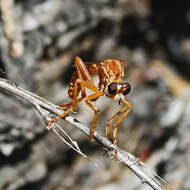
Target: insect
<point x="110" y="73"/>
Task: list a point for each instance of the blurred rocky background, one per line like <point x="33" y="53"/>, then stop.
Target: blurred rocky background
<point x="38" y="42"/>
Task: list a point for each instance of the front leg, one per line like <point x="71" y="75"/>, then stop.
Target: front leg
<point x="108" y="136"/>
<point x="127" y="106"/>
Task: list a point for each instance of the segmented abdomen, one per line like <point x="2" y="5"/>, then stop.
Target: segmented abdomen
<point x="72" y="85"/>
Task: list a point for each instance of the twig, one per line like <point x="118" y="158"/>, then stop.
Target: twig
<point x="46" y="108"/>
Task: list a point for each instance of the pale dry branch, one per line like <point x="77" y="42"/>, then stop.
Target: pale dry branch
<point x="46" y="108"/>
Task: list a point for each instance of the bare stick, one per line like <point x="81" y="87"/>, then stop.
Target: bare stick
<point x="46" y="108"/>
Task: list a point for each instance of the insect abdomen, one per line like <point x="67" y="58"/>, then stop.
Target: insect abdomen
<point x="72" y="85"/>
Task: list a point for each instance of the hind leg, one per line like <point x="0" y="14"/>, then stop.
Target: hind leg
<point x="83" y="75"/>
<point x="83" y="84"/>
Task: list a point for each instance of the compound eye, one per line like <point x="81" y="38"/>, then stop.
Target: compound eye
<point x="112" y="88"/>
<point x="126" y="88"/>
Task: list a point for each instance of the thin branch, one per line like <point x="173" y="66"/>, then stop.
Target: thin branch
<point x="46" y="108"/>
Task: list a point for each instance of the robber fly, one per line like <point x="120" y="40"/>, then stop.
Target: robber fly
<point x="111" y="85"/>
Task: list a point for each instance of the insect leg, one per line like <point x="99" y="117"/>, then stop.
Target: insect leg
<point x="74" y="103"/>
<point x="65" y="113"/>
<point x="83" y="73"/>
<point x="70" y="104"/>
<point x="111" y="120"/>
<point x="87" y="100"/>
<point x="116" y="124"/>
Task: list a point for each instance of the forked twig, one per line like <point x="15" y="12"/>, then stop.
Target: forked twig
<point x="62" y="134"/>
<point x="46" y="108"/>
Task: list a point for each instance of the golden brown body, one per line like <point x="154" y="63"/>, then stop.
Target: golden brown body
<point x="110" y="84"/>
